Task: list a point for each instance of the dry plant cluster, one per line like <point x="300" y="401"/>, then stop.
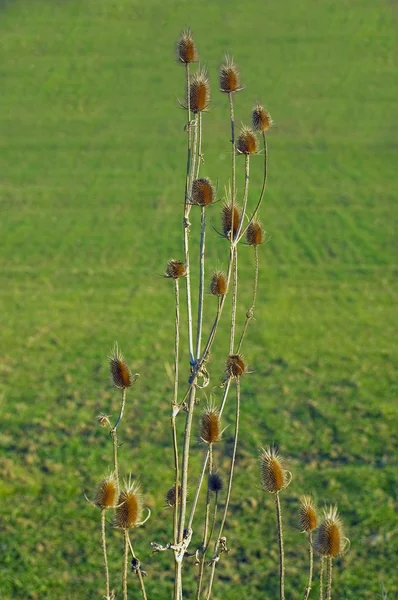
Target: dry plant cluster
<point x="239" y="225"/>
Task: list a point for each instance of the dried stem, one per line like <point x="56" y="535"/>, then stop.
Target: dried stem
<point x="232" y="116"/>
<point x="103" y="540"/>
<point x="245" y="197"/>
<point x="206" y="538"/>
<point x="250" y="312"/>
<point x="234" y="300"/>
<point x="198" y="488"/>
<point x="262" y="188"/>
<point x="281" y="552"/>
<point x="231" y="473"/>
<point x="125" y="558"/>
<point x="200" y="155"/>
<point x="173" y="416"/>
<point x="311" y="557"/>
<point x="321" y="578"/>
<point x="138" y="571"/>
<point x="329" y="579"/>
<point x="114" y="436"/>
<point x="185" y="461"/>
<point x="201" y="282"/>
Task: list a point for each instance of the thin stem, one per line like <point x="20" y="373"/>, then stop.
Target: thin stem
<point x="185" y="462"/>
<point x="234" y="301"/>
<point x="329" y="579"/>
<point x="125" y="557"/>
<point x="250" y="312"/>
<point x="124" y="392"/>
<point x="198" y="488"/>
<point x="311" y="557"/>
<point x="232" y="116"/>
<point x="225" y="394"/>
<point x="138" y="571"/>
<point x="200" y="156"/>
<point x="205" y="542"/>
<point x="114" y="436"/>
<point x="231" y="474"/>
<point x="281" y="552"/>
<point x="201" y="282"/>
<point x="103" y="540"/>
<point x="262" y="188"/>
<point x="321" y="578"/>
<point x="245" y="197"/>
<point x="173" y="416"/>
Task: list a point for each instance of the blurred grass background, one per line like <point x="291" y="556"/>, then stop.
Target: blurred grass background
<point x="92" y="159"/>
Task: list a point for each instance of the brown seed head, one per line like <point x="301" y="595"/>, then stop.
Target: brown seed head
<point x="308" y="516"/>
<point x="229" y="76"/>
<point x="120" y="371"/>
<point x="170" y="497"/>
<point x="330" y="540"/>
<point x="261" y="118"/>
<point x="103" y="420"/>
<point x="235" y="366"/>
<point x="107" y="492"/>
<point x="210" y="425"/>
<point x="230" y="219"/>
<point x="255" y="234"/>
<point x="218" y="284"/>
<point x="129" y="509"/>
<point x="175" y="269"/>
<point x="273" y="476"/>
<point x="199" y="91"/>
<point x="215" y="482"/>
<point x="202" y="192"/>
<point x="186" y="49"/>
<point x="247" y="141"/>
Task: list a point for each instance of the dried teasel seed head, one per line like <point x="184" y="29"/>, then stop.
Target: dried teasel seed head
<point x="199" y="91"/>
<point x="330" y="540"/>
<point x="308" y="518"/>
<point x="175" y="269"/>
<point x="218" y="284"/>
<point x="186" y="49"/>
<point x="261" y="118"/>
<point x="121" y="374"/>
<point x="202" y="192"/>
<point x="215" y="482"/>
<point x="273" y="476"/>
<point x="210" y="425"/>
<point x="230" y="218"/>
<point x="255" y="234"/>
<point x="229" y="76"/>
<point x="235" y="366"/>
<point x="129" y="506"/>
<point x="247" y="142"/>
<point x="170" y="496"/>
<point x="103" y="420"/>
<point x="107" y="492"/>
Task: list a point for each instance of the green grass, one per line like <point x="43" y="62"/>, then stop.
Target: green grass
<point x="92" y="154"/>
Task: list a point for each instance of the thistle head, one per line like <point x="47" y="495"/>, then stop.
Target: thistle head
<point x="103" y="420"/>
<point x="229" y="76"/>
<point x="129" y="506"/>
<point x="330" y="540"/>
<point x="247" y="142"/>
<point x="261" y="118"/>
<point x="186" y="49"/>
<point x="230" y="218"/>
<point x="215" y="483"/>
<point x="199" y="91"/>
<point x="170" y="496"/>
<point x="210" y="425"/>
<point x="121" y="374"/>
<point x="218" y="284"/>
<point x="175" y="269"/>
<point x="308" y="518"/>
<point x="274" y="478"/>
<point x="235" y="366"/>
<point x="107" y="492"/>
<point x="255" y="234"/>
<point x="202" y="192"/>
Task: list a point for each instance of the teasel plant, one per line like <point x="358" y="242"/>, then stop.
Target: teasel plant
<point x="308" y="522"/>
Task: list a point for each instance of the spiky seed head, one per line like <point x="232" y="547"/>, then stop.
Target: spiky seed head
<point x="103" y="420"/>
<point x="218" y="284"/>
<point x="121" y="374"/>
<point x="186" y="49"/>
<point x="261" y="118"/>
<point x="199" y="91"/>
<point x="215" y="483"/>
<point x="255" y="234"/>
<point x="170" y="496"/>
<point x="235" y="366"/>
<point x="247" y="142"/>
<point x="202" y="192"/>
<point x="308" y="518"/>
<point x="210" y="425"/>
<point x="229" y="76"/>
<point x="129" y="506"/>
<point x="175" y="269"/>
<point x="330" y="540"/>
<point x="273" y="475"/>
<point x="230" y="218"/>
<point x="107" y="492"/>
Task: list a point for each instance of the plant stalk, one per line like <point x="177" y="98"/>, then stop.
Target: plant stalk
<point x="250" y="312"/>
<point x="281" y="552"/>
<point x="329" y="579"/>
<point x="311" y="557"/>
<point x="103" y="540"/>
<point x="125" y="558"/>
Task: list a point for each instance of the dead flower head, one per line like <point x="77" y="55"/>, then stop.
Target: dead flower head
<point x="235" y="366"/>
<point x="129" y="507"/>
<point x="230" y="218"/>
<point x="107" y="492"/>
<point x="175" y="269"/>
<point x="121" y="374"/>
<point x="247" y="141"/>
<point x="202" y="192"/>
<point x="308" y="518"/>
<point x="229" y="76"/>
<point x="170" y="496"/>
<point x="261" y="118"/>
<point x="218" y="284"/>
<point x="210" y="425"/>
<point x="199" y="91"/>
<point x="330" y="540"/>
<point x="215" y="483"/>
<point x="274" y="478"/>
<point x="103" y="420"/>
<point x="186" y="49"/>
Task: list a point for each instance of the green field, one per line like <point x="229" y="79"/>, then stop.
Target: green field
<point x="92" y="166"/>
